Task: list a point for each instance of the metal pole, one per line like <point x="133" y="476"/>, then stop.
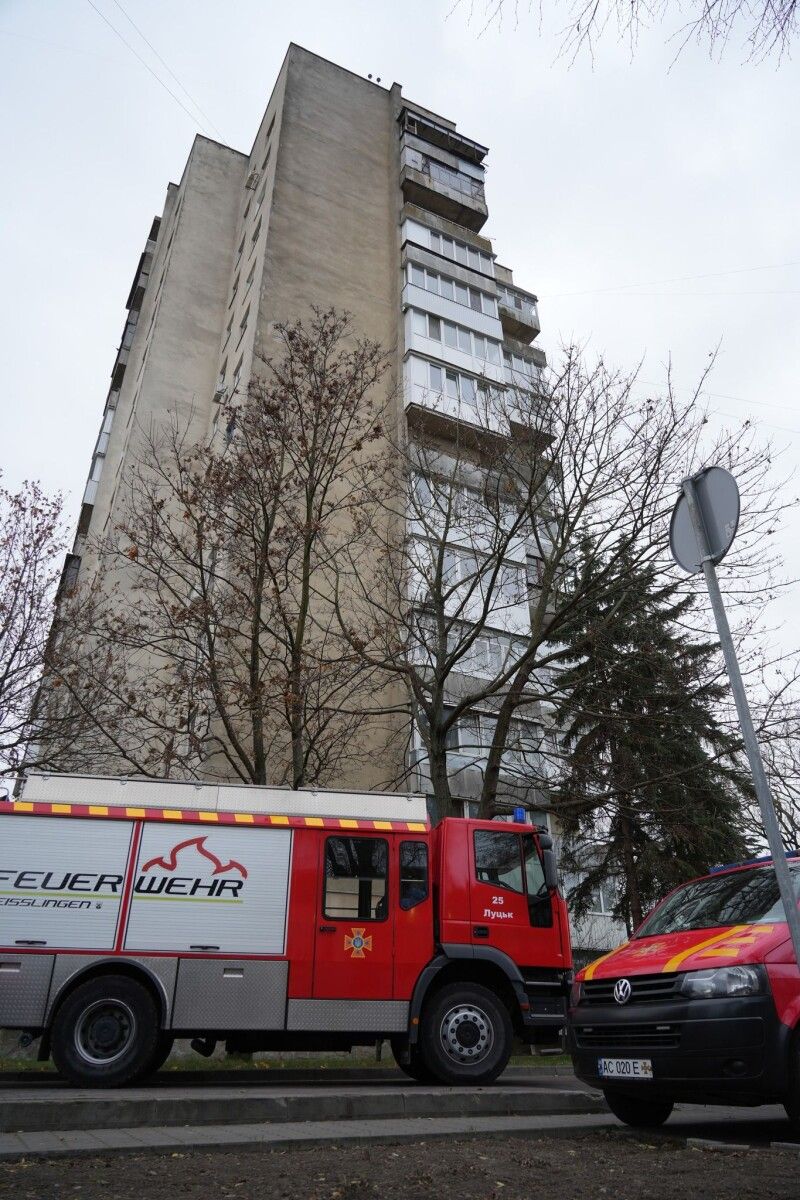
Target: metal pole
<point x="770" y="821"/>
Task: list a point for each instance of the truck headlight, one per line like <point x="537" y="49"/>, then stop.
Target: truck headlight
<point x="724" y="981"/>
<point x="575" y="995"/>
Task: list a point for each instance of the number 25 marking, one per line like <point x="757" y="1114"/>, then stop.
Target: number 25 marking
<point x="497" y="899"/>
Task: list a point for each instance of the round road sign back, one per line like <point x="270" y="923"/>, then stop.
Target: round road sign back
<point x="718" y="498"/>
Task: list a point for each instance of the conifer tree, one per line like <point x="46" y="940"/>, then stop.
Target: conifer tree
<point x="653" y="790"/>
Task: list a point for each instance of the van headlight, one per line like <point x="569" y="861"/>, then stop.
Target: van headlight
<point x="575" y="995"/>
<point x="724" y="981"/>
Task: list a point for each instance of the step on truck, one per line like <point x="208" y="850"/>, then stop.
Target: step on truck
<point x="134" y="911"/>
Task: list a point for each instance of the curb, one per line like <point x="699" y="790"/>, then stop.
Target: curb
<point x="93" y="1112"/>
<point x="202" y="1139"/>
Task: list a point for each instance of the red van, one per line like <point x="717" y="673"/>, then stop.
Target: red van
<point x="702" y="1005"/>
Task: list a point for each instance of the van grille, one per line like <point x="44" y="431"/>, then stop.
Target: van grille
<point x="627" y="1037"/>
<point x="645" y="989"/>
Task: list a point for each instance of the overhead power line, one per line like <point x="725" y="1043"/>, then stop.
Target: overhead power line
<point x="678" y="279"/>
<point x="167" y="68"/>
<point x="145" y="64"/>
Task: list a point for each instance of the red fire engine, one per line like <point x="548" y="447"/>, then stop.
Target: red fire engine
<point x="133" y="912"/>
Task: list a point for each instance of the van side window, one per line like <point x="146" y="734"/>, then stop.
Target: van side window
<point x="356" y="879"/>
<point x="413" y="873"/>
<point x="497" y="859"/>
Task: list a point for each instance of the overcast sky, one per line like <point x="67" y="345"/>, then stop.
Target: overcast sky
<point x="599" y="177"/>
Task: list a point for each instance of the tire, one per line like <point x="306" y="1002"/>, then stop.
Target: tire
<point x="638" y="1111"/>
<point x="106" y="1033"/>
<point x="465" y="1035"/>
<point x="415" y="1068"/>
<point x="163" y="1050"/>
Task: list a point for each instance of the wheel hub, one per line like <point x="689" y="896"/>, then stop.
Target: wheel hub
<point x="466" y="1034"/>
<point x="104" y="1031"/>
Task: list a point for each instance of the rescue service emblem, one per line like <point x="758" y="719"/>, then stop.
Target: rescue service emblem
<point x="357" y="943"/>
<point x="622" y="991"/>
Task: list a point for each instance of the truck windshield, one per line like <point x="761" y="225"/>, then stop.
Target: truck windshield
<point x="740" y="898"/>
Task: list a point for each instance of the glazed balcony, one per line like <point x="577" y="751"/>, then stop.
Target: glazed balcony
<point x="518" y="313"/>
<point x="451" y="193"/>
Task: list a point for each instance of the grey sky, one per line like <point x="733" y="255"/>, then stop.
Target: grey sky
<point x="625" y="173"/>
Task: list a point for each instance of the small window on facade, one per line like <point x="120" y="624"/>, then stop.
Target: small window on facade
<point x="450" y="335"/>
<point x="462" y="294"/>
<point x="475" y="300"/>
<point x="447" y="289"/>
<point x="413" y="874"/>
<point x="497" y="859"/>
<point x="356" y="879"/>
<point x="271" y="127"/>
<point x="461" y="254"/>
<point x="475" y="259"/>
<point x="464" y="340"/>
<point x="419" y="322"/>
<point x="256" y="232"/>
<point x="261" y="195"/>
<point x="417" y="275"/>
<point x="234" y="290"/>
<point x="266" y="158"/>
<point x="447" y="247"/>
<point x="240" y="251"/>
<point x="480" y="345"/>
<point x="249" y="280"/>
<point x="435" y="242"/>
<point x="452" y="384"/>
<point x="493" y="352"/>
<point x="434" y="328"/>
<point x="436" y="377"/>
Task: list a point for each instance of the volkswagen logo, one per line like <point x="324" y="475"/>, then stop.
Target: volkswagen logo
<point x="622" y="991"/>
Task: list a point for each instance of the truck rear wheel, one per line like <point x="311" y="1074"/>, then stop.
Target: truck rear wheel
<point x="106" y="1033"/>
<point x="466" y="1035"/>
<point x="638" y="1111"/>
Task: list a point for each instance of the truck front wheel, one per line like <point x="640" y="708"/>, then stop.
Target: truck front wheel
<point x="106" y="1033"/>
<point x="638" y="1111"/>
<point x="465" y="1035"/>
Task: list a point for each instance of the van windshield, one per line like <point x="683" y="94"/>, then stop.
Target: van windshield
<point x="741" y="898"/>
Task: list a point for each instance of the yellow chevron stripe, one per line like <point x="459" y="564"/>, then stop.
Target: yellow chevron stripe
<point x="98" y="810"/>
<point x="244" y="818"/>
<point x="315" y="821"/>
<point x="590" y="970"/>
<point x="134" y="812"/>
<point x="416" y="827"/>
<point x="172" y="814"/>
<point x="208" y="816"/>
<point x="673" y="963"/>
<point x="61" y="808"/>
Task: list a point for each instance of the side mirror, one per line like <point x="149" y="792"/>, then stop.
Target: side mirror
<point x="550" y="868"/>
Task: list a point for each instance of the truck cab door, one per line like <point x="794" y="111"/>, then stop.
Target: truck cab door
<point x="354" y="937"/>
<point x="510" y="905"/>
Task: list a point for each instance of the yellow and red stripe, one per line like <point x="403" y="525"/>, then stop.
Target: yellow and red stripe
<point x="193" y="817"/>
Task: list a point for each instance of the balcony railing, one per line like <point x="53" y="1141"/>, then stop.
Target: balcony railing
<point x="443" y="189"/>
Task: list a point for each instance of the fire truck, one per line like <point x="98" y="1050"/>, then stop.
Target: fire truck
<point x="135" y="911"/>
<point x="702" y="1005"/>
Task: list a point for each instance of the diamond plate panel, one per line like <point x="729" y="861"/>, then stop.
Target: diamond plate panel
<point x="348" y="1016"/>
<point x="222" y="993"/>
<point x="24" y="984"/>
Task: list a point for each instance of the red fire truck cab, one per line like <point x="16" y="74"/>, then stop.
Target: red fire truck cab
<point x="702" y="1005"/>
<point x="133" y="912"/>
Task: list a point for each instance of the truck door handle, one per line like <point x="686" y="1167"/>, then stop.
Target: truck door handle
<point x="480" y="930"/>
<point x="327" y="929"/>
<point x="203" y="947"/>
<point x="28" y="942"/>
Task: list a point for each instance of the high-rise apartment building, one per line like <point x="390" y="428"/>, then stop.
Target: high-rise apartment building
<point x="353" y="197"/>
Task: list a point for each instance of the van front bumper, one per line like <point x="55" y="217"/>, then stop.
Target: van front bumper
<point x="732" y="1051"/>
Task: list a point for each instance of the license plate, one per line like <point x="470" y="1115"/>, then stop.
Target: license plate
<point x="625" y="1068"/>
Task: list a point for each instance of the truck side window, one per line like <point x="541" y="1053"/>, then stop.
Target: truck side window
<point x="356" y="879"/>
<point x="413" y="873"/>
<point x="497" y="859"/>
<point x="540" y="909"/>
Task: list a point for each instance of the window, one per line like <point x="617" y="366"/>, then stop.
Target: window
<point x="434" y="328"/>
<point x="249" y="280"/>
<point x="234" y="290"/>
<point x="261" y="195"/>
<point x="246" y="212"/>
<point x="497" y="860"/>
<point x="243" y="326"/>
<point x="237" y="373"/>
<point x="240" y="251"/>
<point x="356" y="879"/>
<point x="413" y="874"/>
<point x="256" y="232"/>
<point x="266" y="158"/>
<point x="271" y="127"/>
<point x="228" y="333"/>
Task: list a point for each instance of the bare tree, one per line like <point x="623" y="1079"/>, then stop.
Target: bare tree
<point x="763" y="27"/>
<point x="476" y="572"/>
<point x="31" y="560"/>
<point x="201" y="646"/>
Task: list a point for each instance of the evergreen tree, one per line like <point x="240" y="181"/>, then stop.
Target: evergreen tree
<point x="652" y="793"/>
